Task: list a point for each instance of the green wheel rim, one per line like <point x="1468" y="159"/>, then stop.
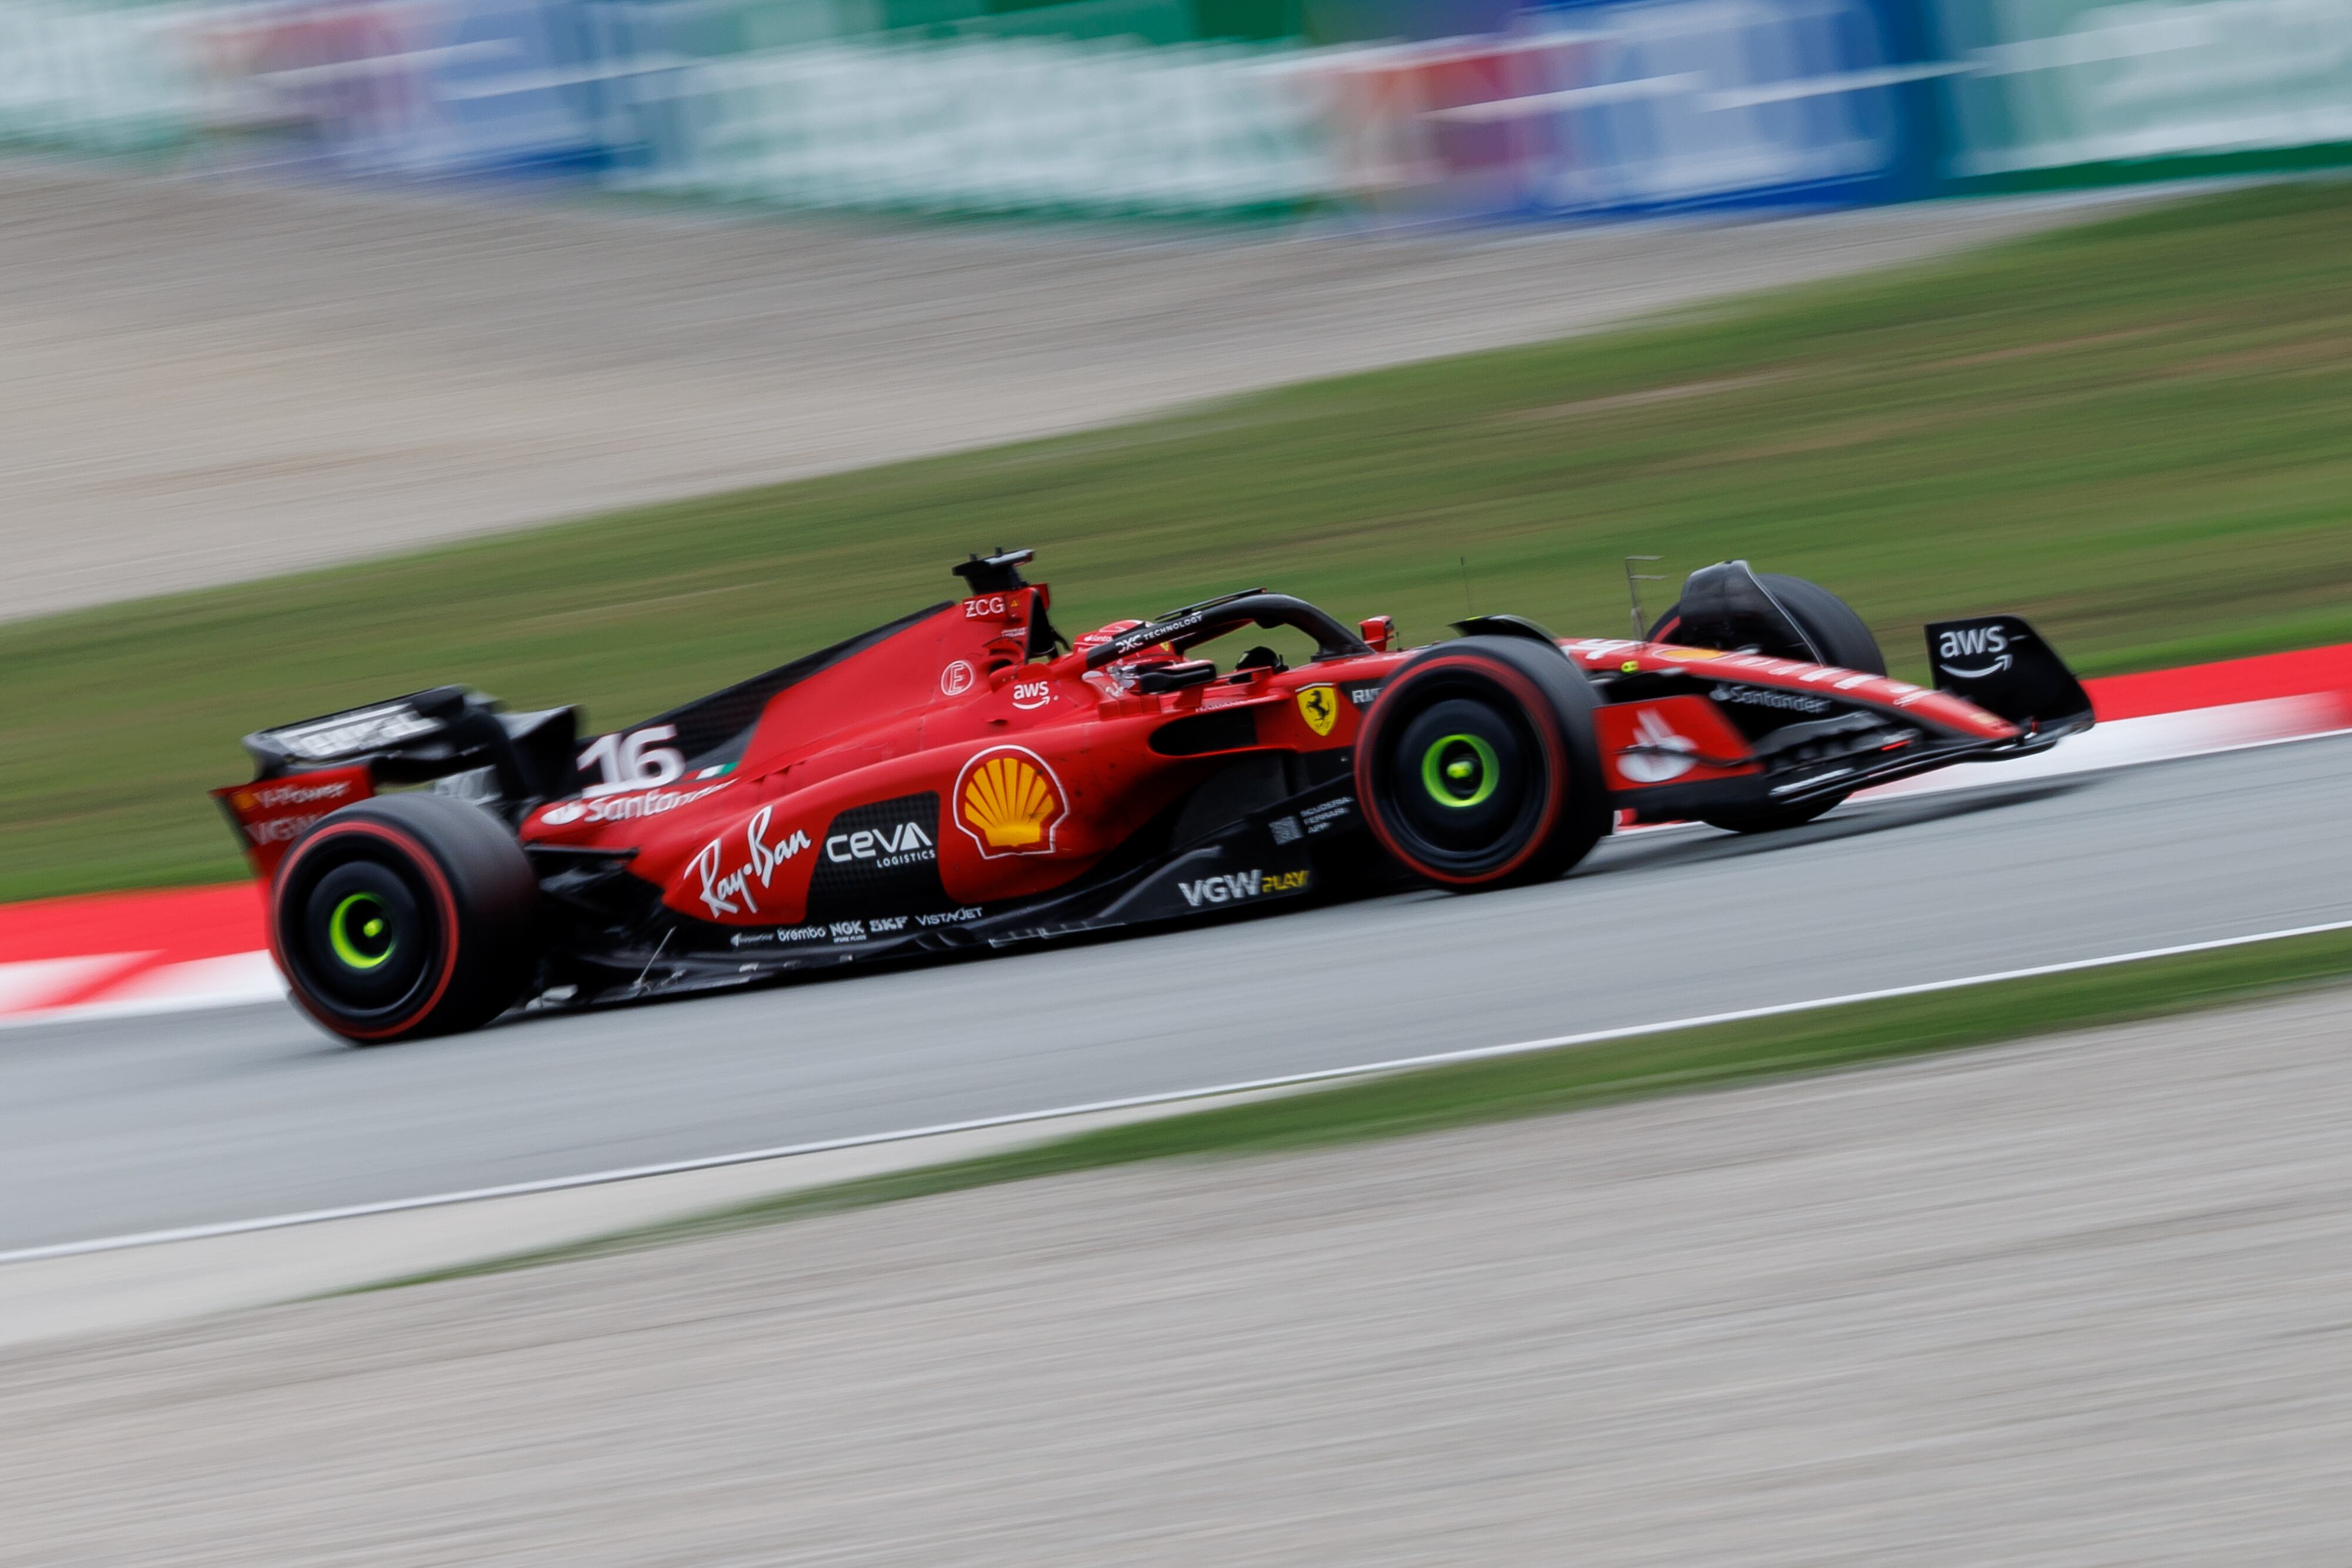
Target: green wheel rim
<point x="360" y="931"/>
<point x="1459" y="770"/>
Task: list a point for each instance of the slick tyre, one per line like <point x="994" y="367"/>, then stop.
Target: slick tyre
<point x="1476" y="768"/>
<point x="1845" y="639"/>
<point x="404" y="916"/>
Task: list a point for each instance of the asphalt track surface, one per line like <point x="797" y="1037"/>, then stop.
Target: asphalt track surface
<point x="124" y="1126"/>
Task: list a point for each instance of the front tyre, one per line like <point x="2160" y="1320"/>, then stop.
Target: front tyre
<point x="1842" y="637"/>
<point x="406" y="915"/>
<point x="1476" y="768"/>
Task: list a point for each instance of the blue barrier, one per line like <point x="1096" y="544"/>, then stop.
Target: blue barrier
<point x="1677" y="105"/>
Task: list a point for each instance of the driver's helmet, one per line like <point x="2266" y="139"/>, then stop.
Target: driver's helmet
<point x="1122" y="672"/>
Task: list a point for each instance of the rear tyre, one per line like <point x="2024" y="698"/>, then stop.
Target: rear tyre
<point x="406" y="915"/>
<point x="1845" y="639"/>
<point x="1476" y="768"/>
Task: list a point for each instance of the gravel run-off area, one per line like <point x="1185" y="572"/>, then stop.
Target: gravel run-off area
<point x="2080" y="1301"/>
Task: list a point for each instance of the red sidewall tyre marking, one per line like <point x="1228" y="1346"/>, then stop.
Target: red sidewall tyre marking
<point x="1537" y="706"/>
<point x="444" y="897"/>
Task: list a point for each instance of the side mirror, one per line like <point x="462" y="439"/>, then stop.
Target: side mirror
<point x="1377" y="632"/>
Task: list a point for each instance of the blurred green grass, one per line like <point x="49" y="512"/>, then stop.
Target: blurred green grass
<point x="2137" y="432"/>
<point x="1570" y="1078"/>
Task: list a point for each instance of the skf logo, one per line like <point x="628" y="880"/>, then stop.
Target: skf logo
<point x="1319" y="706"/>
<point x="1008" y="802"/>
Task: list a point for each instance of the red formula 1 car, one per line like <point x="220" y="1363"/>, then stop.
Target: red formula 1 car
<point x="954" y="782"/>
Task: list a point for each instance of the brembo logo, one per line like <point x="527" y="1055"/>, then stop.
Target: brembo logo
<point x="730" y="892"/>
<point x="1983" y="642"/>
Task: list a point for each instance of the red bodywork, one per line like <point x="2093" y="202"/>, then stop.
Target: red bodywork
<point x="270" y="814"/>
<point x="1041" y="769"/>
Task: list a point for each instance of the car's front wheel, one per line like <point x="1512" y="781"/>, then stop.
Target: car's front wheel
<point x="406" y="915"/>
<point x="1476" y="768"/>
<point x="1841" y="636"/>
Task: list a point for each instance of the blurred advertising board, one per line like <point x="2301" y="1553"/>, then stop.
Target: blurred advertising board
<point x="1563" y="109"/>
<point x="1628" y="107"/>
<point x="410" y="87"/>
<point x="106" y="79"/>
<point x="2054" y="85"/>
<point x="986" y="124"/>
<point x="1637" y="106"/>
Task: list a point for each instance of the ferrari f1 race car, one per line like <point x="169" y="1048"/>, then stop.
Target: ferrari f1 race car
<point x="957" y="782"/>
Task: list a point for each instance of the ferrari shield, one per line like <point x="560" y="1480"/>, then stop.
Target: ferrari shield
<point x="1319" y="706"/>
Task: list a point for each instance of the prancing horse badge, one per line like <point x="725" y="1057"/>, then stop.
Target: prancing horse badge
<point x="1319" y="706"/>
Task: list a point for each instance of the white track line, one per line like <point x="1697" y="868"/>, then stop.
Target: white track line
<point x="1395" y="1064"/>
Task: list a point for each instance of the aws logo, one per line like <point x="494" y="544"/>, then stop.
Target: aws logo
<point x="1987" y="644"/>
<point x="1008" y="802"/>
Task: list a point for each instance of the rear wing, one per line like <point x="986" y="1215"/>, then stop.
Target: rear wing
<point x="452" y="737"/>
<point x="2004" y="666"/>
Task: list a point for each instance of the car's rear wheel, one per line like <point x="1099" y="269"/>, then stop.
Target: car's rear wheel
<point x="406" y="915"/>
<point x="1477" y="767"/>
<point x="1843" y="638"/>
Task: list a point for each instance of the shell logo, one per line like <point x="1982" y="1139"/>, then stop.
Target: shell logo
<point x="1008" y="802"/>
